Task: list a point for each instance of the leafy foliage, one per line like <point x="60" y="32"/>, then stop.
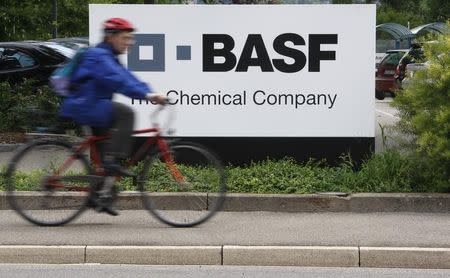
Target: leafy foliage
<point x="425" y="104"/>
<point x="390" y="171"/>
<point x="386" y="172"/>
<point x="33" y="20"/>
<point x="414" y="12"/>
<point x="21" y="106"/>
<point x="417" y="11"/>
<point x="22" y="20"/>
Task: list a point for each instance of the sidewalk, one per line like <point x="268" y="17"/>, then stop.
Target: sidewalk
<point x="360" y="230"/>
<point x="401" y="239"/>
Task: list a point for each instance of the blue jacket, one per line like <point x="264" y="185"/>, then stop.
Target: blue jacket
<point x="98" y="76"/>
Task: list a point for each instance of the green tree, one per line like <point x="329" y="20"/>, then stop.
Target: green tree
<point x="353" y="1"/>
<point x="32" y="19"/>
<point x="416" y="12"/>
<point x="438" y="10"/>
<point x="424" y="106"/>
<point x="343" y="1"/>
<point x="21" y="20"/>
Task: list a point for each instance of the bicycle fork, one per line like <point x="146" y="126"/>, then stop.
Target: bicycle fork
<point x="168" y="158"/>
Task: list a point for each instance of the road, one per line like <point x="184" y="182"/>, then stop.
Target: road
<point x="238" y="228"/>
<point x="136" y="271"/>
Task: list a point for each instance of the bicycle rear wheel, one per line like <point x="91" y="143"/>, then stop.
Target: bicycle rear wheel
<point x="183" y="187"/>
<point x="48" y="184"/>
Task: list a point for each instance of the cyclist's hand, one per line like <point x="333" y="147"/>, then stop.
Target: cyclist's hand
<point x="157" y="98"/>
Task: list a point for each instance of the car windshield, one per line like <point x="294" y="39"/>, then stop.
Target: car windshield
<point x="393" y="58"/>
<point x="68" y="52"/>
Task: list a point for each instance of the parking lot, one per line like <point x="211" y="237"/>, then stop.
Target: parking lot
<point x="385" y="119"/>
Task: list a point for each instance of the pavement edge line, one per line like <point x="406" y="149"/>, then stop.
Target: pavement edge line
<point x="37" y="254"/>
<point x="314" y="256"/>
<point x="405" y="257"/>
<point x="321" y="256"/>
<point x="155" y="255"/>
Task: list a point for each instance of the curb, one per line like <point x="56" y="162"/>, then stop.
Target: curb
<point x="9" y="147"/>
<point x="357" y="203"/>
<point x="42" y="254"/>
<point x="32" y="136"/>
<point x="154" y="255"/>
<point x="406" y="257"/>
<point x="314" y="256"/>
<point x="311" y="256"/>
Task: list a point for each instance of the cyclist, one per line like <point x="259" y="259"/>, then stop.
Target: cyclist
<point x="97" y="77"/>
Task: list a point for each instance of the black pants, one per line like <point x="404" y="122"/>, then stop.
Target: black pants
<point x="121" y="128"/>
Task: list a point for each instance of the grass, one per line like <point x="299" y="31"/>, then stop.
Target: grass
<point x="390" y="171"/>
<point x="386" y="172"/>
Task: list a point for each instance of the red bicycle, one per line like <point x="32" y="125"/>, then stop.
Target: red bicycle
<point x="50" y="181"/>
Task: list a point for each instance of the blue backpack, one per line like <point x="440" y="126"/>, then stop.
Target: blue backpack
<point x="61" y="77"/>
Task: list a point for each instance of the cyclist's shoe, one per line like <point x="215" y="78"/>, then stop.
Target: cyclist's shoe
<point x="105" y="195"/>
<point x="110" y="210"/>
<point x="104" y="204"/>
<point x="112" y="169"/>
<point x="91" y="203"/>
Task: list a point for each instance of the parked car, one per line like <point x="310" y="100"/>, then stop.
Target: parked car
<point x="74" y="43"/>
<point x="80" y="40"/>
<point x="31" y="59"/>
<point x="410" y="70"/>
<point x="391" y="70"/>
<point x="66" y="51"/>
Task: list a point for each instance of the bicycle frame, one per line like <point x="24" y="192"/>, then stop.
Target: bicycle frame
<point x="90" y="143"/>
<point x="71" y="180"/>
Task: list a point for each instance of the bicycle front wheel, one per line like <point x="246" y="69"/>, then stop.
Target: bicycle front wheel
<point x="48" y="183"/>
<point x="184" y="186"/>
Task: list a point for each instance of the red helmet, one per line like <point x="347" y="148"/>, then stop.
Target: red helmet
<point x="118" y="24"/>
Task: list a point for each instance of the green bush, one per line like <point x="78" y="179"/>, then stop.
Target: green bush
<point x="26" y="106"/>
<point x="424" y="106"/>
<point x="390" y="171"/>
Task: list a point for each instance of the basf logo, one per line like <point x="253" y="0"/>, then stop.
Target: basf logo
<point x="253" y="43"/>
<point x="256" y="70"/>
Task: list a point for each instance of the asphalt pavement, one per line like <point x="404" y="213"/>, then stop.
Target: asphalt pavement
<point x="137" y="271"/>
<point x="403" y="240"/>
<point x="139" y="228"/>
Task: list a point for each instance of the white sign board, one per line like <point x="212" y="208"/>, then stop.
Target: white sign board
<point x="254" y="70"/>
